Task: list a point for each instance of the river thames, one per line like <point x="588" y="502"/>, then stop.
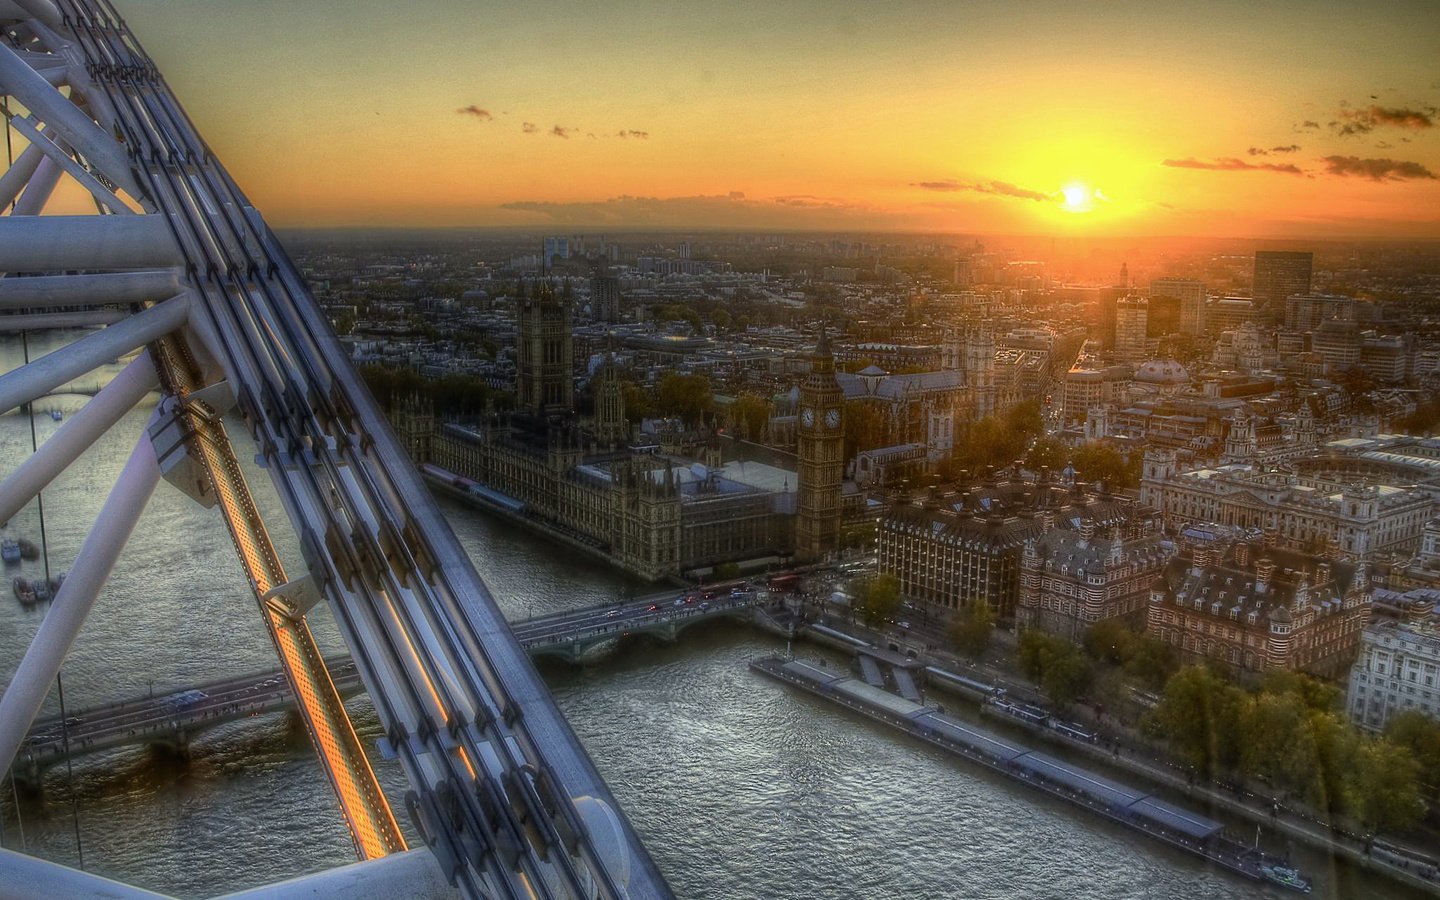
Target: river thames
<point x="740" y="787"/>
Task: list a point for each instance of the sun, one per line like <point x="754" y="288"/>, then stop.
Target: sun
<point x="1079" y="198"/>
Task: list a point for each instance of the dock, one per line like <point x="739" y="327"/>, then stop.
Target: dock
<point x="1134" y="809"/>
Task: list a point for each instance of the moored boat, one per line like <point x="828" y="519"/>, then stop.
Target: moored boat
<point x="28" y="550"/>
<point x="24" y="592"/>
<point x="1285" y="877"/>
<point x="10" y="550"/>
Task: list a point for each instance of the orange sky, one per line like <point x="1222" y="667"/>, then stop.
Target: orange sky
<point x="1303" y="119"/>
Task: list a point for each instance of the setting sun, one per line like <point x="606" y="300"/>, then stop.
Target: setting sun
<point x="1078" y="198"/>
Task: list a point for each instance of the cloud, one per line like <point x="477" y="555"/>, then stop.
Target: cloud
<point x="1231" y="164"/>
<point x="1402" y="118"/>
<point x="1354" y="122"/>
<point x="561" y="132"/>
<point x="473" y="110"/>
<point x="1003" y="188"/>
<point x="632" y="133"/>
<point x="529" y="127"/>
<point x="1256" y="151"/>
<point x="1376" y="169"/>
<point x="1288" y="148"/>
<point x="1309" y="124"/>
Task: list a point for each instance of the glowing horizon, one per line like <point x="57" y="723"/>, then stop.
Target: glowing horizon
<point x="1311" y="121"/>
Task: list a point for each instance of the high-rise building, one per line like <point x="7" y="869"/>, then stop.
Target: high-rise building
<point x="1278" y="274"/>
<point x="822" y="457"/>
<point x="544" y="353"/>
<point x="1131" y="328"/>
<point x="1305" y="312"/>
<point x="1191" y="294"/>
<point x="605" y="298"/>
<point x="556" y="247"/>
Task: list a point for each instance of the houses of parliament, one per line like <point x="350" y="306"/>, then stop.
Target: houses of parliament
<point x="664" y="504"/>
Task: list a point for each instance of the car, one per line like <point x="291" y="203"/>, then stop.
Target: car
<point x="679" y="601"/>
<point x="612" y="614"/>
<point x="654" y="607"/>
<point x="705" y="605"/>
<point x="904" y="624"/>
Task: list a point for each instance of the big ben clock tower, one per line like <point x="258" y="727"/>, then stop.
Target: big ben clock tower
<point x="821" y="452"/>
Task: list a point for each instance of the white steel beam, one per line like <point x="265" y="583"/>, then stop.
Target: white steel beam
<point x="39" y="188"/>
<point x="14" y="179"/>
<point x="85" y="318"/>
<point x="76" y="597"/>
<point x="70" y="362"/>
<point x="56" y="154"/>
<point x="44" y="10"/>
<point x="50" y="243"/>
<point x="78" y="129"/>
<point x="414" y="874"/>
<point x="27" y="877"/>
<point x="49" y="291"/>
<point x="77" y="433"/>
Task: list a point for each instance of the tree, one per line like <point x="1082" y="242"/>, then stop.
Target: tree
<point x="1384" y="788"/>
<point x="1151" y="662"/>
<point x="750" y="413"/>
<point x="728" y="571"/>
<point x="721" y="319"/>
<point x="1046" y="453"/>
<point x="686" y="396"/>
<point x="1269" y="725"/>
<point x="878" y="598"/>
<point x="1199" y="714"/>
<point x="970" y="633"/>
<point x="1055" y="664"/>
<point x="1109" y="641"/>
<point x="1420" y="734"/>
<point x="1097" y="462"/>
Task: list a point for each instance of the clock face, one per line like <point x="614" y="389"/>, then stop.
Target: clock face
<point x="807" y="417"/>
<point x="832" y="418"/>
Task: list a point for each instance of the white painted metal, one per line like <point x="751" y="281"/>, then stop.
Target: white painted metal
<point x="14" y="179"/>
<point x="78" y="432"/>
<point x="40" y="321"/>
<point x="50" y="243"/>
<point x="56" y="154"/>
<point x="50" y="371"/>
<point x="39" y="188"/>
<point x="78" y="129"/>
<point x="413" y="874"/>
<point x="43" y="10"/>
<point x="37" y="670"/>
<point x="88" y="290"/>
<point x="27" y="878"/>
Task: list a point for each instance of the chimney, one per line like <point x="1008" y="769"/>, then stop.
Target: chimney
<point x="1087" y="531"/>
<point x="1322" y="573"/>
<point x="1264" y="571"/>
<point x="1199" y="559"/>
<point x="1242" y="555"/>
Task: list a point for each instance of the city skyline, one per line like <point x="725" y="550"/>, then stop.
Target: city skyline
<point x="1314" y="121"/>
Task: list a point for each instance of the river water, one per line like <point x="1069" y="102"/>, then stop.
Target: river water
<point x="741" y="788"/>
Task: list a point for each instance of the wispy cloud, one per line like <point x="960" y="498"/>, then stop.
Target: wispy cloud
<point x="632" y="133"/>
<point x="529" y="127"/>
<point x="1231" y="164"/>
<point x="1359" y="121"/>
<point x="1261" y="151"/>
<point x="1002" y="188"/>
<point x="473" y="110"/>
<point x="1377" y="169"/>
<point x="561" y="132"/>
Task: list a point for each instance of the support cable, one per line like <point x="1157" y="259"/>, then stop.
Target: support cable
<point x="59" y="682"/>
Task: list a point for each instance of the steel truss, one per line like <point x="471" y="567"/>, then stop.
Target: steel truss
<point x="180" y="266"/>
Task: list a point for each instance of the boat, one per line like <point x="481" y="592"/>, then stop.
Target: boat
<point x="28" y="550"/>
<point x="56" y="414"/>
<point x="10" y="550"/>
<point x="1285" y="877"/>
<point x="41" y="589"/>
<point x="24" y="592"/>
